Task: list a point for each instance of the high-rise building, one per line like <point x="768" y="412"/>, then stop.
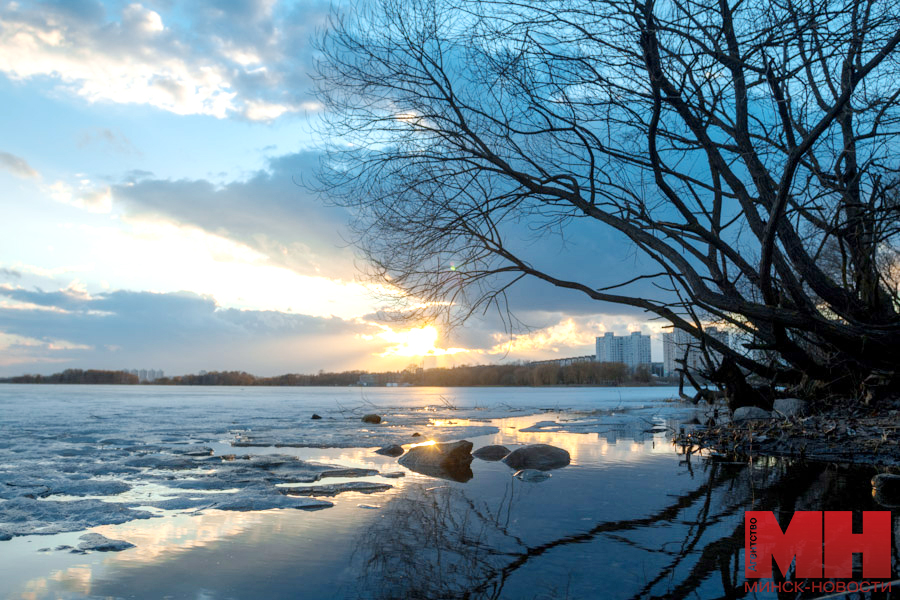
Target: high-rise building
<point x="679" y="344"/>
<point x="633" y="350"/>
<point x="145" y="375"/>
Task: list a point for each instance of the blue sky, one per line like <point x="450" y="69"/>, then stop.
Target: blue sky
<point x="151" y="216"/>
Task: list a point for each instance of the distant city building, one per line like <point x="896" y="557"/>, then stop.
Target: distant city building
<point x="678" y="343"/>
<point x="632" y="350"/>
<point x="145" y="375"/>
<point x="562" y="362"/>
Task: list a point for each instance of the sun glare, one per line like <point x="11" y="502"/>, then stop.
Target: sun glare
<point x="418" y="341"/>
<point x="428" y="443"/>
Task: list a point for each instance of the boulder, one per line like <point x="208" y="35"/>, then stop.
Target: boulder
<point x="315" y="416"/>
<point x="790" y="407"/>
<point x="445" y="461"/>
<point x="886" y="490"/>
<point x="393" y="450"/>
<point x="417" y="434"/>
<point x="887" y="483"/>
<point x="750" y="413"/>
<point x="538" y="456"/>
<point x="491" y="452"/>
<point x="532" y="475"/>
<point x="373" y="418"/>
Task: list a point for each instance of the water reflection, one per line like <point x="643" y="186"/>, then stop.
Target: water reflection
<point x="613" y="437"/>
<point x="435" y="543"/>
<point x="450" y="543"/>
<point x="632" y="517"/>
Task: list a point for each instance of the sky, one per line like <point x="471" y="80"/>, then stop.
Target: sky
<point x="154" y="212"/>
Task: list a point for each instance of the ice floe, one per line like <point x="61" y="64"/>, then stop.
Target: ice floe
<point x="333" y="489"/>
<point x="70" y="471"/>
<point x="100" y="543"/>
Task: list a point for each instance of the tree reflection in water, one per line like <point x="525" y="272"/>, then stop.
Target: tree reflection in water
<point x="440" y="542"/>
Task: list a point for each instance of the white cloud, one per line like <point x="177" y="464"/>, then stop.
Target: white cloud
<point x="264" y="111"/>
<point x="184" y="332"/>
<point x="220" y="65"/>
<point x="84" y="196"/>
<point x="21" y="350"/>
<point x="566" y="335"/>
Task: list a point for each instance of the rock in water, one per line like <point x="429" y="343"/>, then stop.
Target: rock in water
<point x="315" y="416"/>
<point x="886" y="490"/>
<point x="532" y="475"/>
<point x="394" y="450"/>
<point x="790" y="407"/>
<point x="100" y="543"/>
<point x="538" y="456"/>
<point x="887" y="482"/>
<point x="750" y="413"/>
<point x="445" y="461"/>
<point x="491" y="452"/>
<point x="373" y="418"/>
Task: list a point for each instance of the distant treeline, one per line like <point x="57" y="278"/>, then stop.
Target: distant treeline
<point x="91" y="376"/>
<point x="534" y="374"/>
<point x="582" y="373"/>
<point x="242" y="378"/>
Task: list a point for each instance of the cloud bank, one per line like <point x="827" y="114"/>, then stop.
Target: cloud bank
<point x="246" y="59"/>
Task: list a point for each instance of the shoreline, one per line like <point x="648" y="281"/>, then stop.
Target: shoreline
<point x="839" y="435"/>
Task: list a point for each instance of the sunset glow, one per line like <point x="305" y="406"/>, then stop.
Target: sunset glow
<point x="418" y="341"/>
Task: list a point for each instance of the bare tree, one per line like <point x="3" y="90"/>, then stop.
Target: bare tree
<point x="747" y="147"/>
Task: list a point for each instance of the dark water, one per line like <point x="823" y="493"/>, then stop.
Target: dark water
<point x="632" y="517"/>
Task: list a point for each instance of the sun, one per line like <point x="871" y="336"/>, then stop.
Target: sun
<point x="421" y="341"/>
<point x="418" y="341"/>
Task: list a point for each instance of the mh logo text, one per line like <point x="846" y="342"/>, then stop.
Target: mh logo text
<point x="823" y="543"/>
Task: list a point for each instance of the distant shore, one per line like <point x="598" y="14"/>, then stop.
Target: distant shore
<point x="587" y="374"/>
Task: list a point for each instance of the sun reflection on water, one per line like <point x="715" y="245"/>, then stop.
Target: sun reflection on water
<point x="170" y="537"/>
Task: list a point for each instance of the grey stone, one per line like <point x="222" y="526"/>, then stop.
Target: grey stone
<point x="887" y="482"/>
<point x="886" y="490"/>
<point x="538" y="456"/>
<point x="491" y="452"/>
<point x="450" y="460"/>
<point x="790" y="407"/>
<point x="750" y="413"/>
<point x="393" y="450"/>
<point x="372" y="418"/>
